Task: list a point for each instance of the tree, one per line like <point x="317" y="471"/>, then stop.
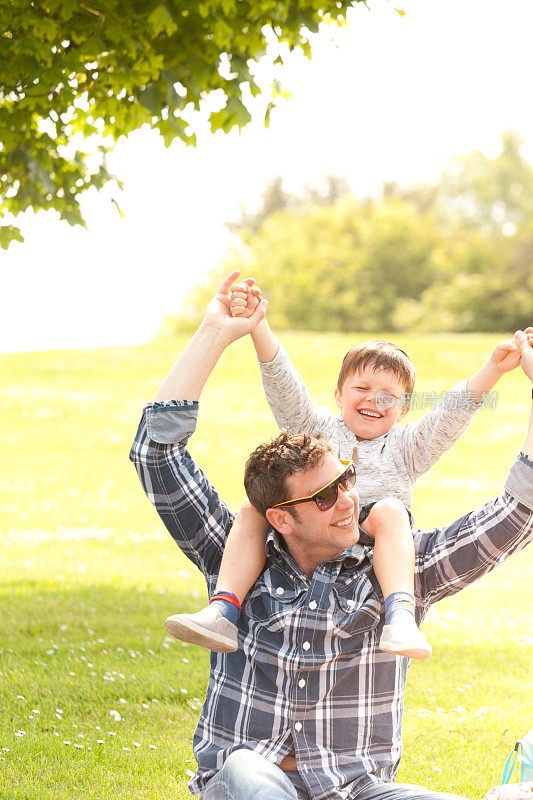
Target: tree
<point x="492" y="193"/>
<point x="275" y="198"/>
<point x="339" y="267"/>
<point x="70" y="69"/>
<point x="453" y="256"/>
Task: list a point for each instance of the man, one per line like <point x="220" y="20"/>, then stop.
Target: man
<point x="308" y="707"/>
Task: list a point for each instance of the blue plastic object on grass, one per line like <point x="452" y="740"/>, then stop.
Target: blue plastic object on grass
<point x="525" y="747"/>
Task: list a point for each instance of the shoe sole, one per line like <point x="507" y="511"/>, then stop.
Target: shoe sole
<point x="194" y="634"/>
<point x="409" y="650"/>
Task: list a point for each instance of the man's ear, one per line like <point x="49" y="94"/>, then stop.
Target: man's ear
<point x="281" y="520"/>
<point x="338" y="397"/>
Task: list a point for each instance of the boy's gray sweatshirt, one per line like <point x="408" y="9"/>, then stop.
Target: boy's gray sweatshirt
<point x="390" y="464"/>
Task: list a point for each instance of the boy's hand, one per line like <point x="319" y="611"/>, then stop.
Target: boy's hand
<point x="244" y="298"/>
<point x="506" y="355"/>
<point x="218" y="316"/>
<point x="524" y="340"/>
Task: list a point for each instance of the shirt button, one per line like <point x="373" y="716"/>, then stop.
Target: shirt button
<point x="301" y="683"/>
<point x="306" y="645"/>
<point x="280" y="590"/>
<point x="273" y="758"/>
<point x="298" y="726"/>
<point x="312" y="605"/>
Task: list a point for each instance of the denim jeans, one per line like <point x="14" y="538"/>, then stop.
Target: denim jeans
<point x="248" y="776"/>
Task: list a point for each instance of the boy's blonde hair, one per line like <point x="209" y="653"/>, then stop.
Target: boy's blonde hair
<point x="380" y="355"/>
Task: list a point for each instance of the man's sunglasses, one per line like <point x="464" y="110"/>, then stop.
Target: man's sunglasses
<point x="327" y="497"/>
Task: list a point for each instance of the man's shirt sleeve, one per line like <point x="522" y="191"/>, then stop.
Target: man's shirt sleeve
<point x="197" y="519"/>
<point x="451" y="557"/>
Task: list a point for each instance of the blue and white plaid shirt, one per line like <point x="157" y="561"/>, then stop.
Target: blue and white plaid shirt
<point x="308" y="674"/>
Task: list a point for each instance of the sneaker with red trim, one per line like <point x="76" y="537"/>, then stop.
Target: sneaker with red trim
<point x="206" y="628"/>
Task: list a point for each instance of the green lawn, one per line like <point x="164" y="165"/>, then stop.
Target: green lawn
<point x="88" y="575"/>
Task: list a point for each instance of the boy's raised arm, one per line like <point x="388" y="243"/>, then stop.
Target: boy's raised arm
<point x="285" y="391"/>
<point x="504" y="357"/>
<point x="422" y="443"/>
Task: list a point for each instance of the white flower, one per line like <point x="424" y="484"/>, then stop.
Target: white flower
<point x="100" y="741"/>
<point x="152" y="746"/>
<point x="20" y="733"/>
<point x="137" y="744"/>
<point x="116" y="716"/>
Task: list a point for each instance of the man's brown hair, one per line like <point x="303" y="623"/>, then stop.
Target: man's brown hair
<point x="380" y="355"/>
<point x="273" y="462"/>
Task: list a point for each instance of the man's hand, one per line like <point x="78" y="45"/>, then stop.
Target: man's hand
<point x="244" y="298"/>
<point x="524" y="340"/>
<point x="218" y="315"/>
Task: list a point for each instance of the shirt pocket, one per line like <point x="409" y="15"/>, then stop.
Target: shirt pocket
<point x="357" y="606"/>
<point x="274" y="597"/>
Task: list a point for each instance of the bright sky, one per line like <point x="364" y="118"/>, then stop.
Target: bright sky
<point x="388" y="98"/>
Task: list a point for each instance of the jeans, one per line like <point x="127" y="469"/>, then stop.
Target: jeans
<point x="249" y="776"/>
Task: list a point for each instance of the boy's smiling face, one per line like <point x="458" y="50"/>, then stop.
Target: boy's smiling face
<point x="371" y="402"/>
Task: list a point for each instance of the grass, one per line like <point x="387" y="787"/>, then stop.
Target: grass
<point x="88" y="574"/>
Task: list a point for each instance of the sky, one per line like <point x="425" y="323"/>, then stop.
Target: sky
<point x="387" y="98"/>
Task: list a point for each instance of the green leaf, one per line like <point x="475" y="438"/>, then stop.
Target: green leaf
<point x="8" y="234"/>
<point x="235" y="113"/>
<point x="161" y="20"/>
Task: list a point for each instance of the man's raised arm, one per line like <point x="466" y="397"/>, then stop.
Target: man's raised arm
<point x="217" y="330"/>
<point x="197" y="519"/>
<point x="451" y="557"/>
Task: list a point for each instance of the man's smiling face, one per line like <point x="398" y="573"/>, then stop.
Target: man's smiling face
<point x="361" y="413"/>
<point x="315" y="536"/>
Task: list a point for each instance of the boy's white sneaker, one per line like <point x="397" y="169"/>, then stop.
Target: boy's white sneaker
<point x="207" y="628"/>
<point x="403" y="638"/>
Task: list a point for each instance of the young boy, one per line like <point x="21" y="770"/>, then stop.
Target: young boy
<point x="375" y="383"/>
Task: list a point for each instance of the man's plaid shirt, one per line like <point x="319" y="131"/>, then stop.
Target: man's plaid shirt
<point x="308" y="674"/>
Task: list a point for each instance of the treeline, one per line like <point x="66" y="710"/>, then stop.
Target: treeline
<point x="453" y="256"/>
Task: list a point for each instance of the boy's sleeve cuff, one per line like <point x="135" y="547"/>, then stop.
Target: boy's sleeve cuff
<point x="272" y="367"/>
<point x="465" y="398"/>
<point x="172" y="421"/>
<point x="519" y="481"/>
